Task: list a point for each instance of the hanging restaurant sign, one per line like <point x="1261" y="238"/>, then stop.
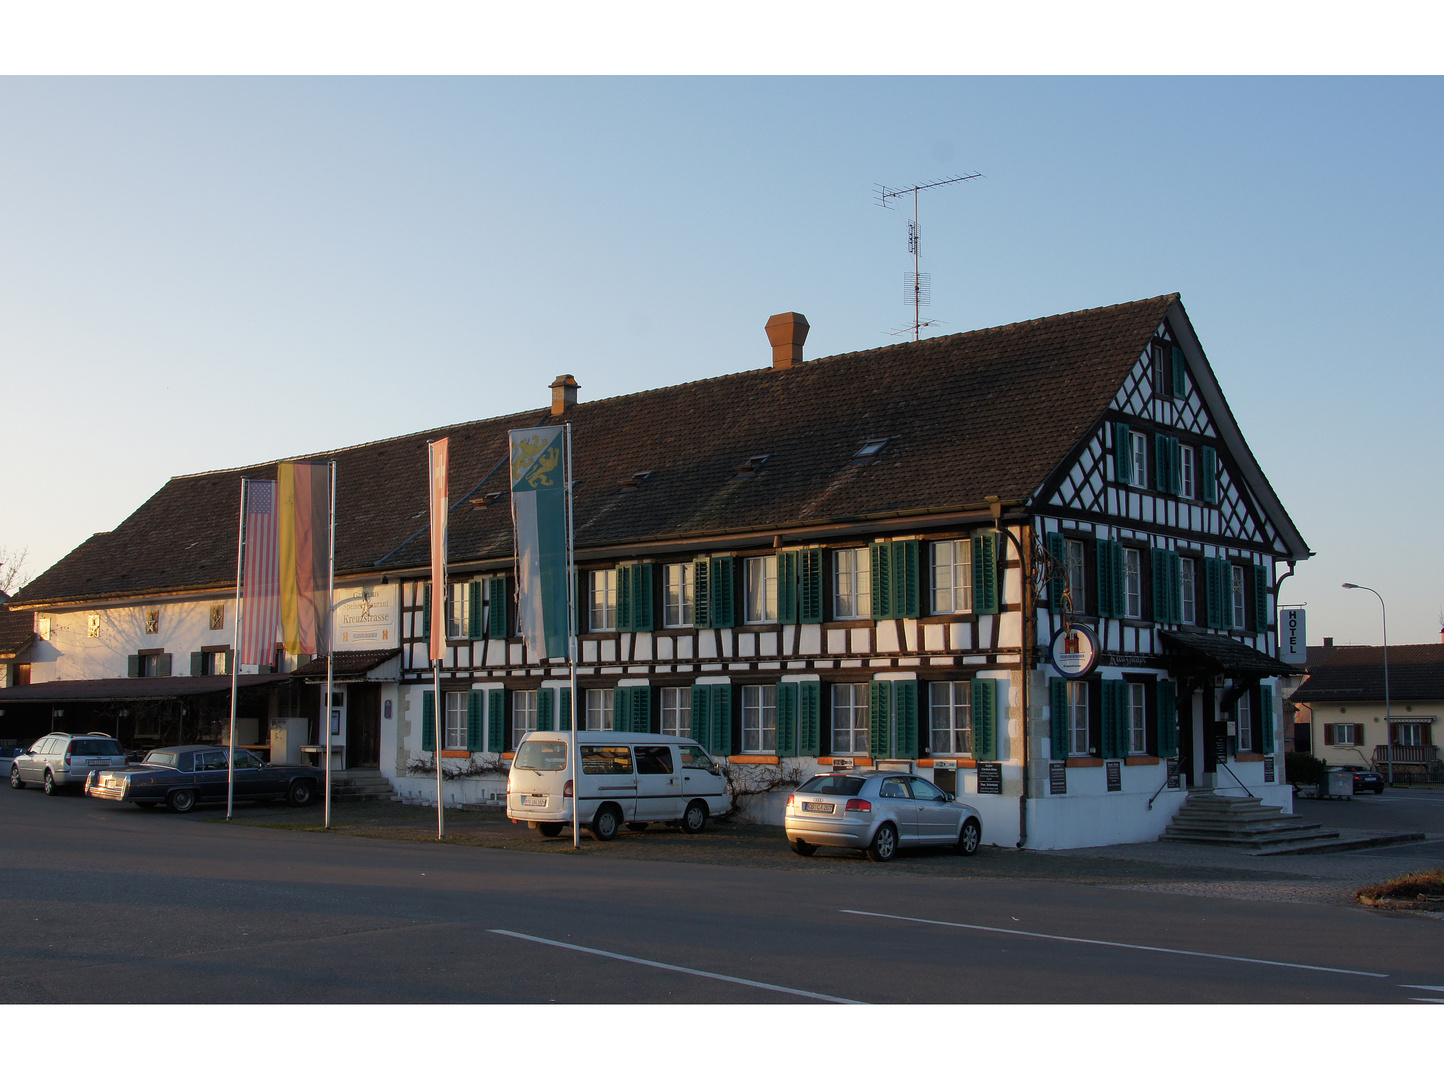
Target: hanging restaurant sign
<point x="1074" y="651"/>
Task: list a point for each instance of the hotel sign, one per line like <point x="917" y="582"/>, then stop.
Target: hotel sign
<point x="1074" y="652"/>
<point x="1293" y="642"/>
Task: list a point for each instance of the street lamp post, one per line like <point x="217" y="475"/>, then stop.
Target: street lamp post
<point x="1388" y="727"/>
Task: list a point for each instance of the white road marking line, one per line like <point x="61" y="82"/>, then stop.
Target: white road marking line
<point x="1429" y="1001"/>
<point x="674" y="967"/>
<point x="1416" y="986"/>
<point x="1117" y="944"/>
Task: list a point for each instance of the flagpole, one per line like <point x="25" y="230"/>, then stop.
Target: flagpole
<point x="236" y="650"/>
<point x="439" y="614"/>
<point x="330" y="644"/>
<point x="572" y="651"/>
<point x="437" y="716"/>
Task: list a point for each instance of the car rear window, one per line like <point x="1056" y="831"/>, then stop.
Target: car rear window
<point x="606" y="760"/>
<point x="96" y="747"/>
<point x="833" y="784"/>
<point x="160" y="757"/>
<point x="541" y="756"/>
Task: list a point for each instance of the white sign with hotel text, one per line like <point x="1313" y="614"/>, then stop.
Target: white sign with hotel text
<point x="1293" y="642"/>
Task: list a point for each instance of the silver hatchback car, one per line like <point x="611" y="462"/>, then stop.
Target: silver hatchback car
<point x="878" y="812"/>
<point x="61" y="759"/>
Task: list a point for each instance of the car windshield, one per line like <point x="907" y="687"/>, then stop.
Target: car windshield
<point x="160" y="757"/>
<point x="833" y="784"/>
<point x="541" y="755"/>
<point x="90" y="747"/>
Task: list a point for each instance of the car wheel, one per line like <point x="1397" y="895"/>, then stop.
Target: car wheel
<point x="802" y="847"/>
<point x="301" y="793"/>
<point x="694" y="820"/>
<point x="49" y="786"/>
<point x="969" y="837"/>
<point x="550" y="829"/>
<point x="181" y="801"/>
<point x="15" y="780"/>
<point x="637" y="826"/>
<point x="884" y="843"/>
<point x="606" y="823"/>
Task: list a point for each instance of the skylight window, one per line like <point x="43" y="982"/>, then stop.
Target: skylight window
<point x="871" y="448"/>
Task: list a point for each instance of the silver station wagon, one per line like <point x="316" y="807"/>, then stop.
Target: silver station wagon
<point x="61" y="760"/>
<point x="878" y="812"/>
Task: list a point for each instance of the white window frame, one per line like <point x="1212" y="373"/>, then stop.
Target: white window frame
<point x="851" y="718"/>
<point x="523" y="714"/>
<point x="1075" y="561"/>
<point x="1239" y="597"/>
<point x="759" y="718"/>
<point x="1243" y="722"/>
<point x="1138" y="452"/>
<point x="760" y="575"/>
<point x="602" y="589"/>
<point x="950" y="713"/>
<point x="1188" y="584"/>
<point x="1137" y="718"/>
<point x="852" y="583"/>
<point x="1187" y="483"/>
<point x="1078" y="719"/>
<point x="677" y="602"/>
<point x="458" y="610"/>
<point x="455" y="727"/>
<point x="952" y="576"/>
<point x="601" y="710"/>
<point x="677" y="711"/>
<point x="1132" y="583"/>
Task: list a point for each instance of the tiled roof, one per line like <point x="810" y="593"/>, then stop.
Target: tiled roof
<point x="967" y="416"/>
<point x="1356" y="673"/>
<point x="1226" y="654"/>
<point x="358" y="662"/>
<point x="17" y="631"/>
<point x="153" y="689"/>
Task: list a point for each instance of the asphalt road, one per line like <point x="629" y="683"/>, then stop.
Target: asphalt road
<point x="108" y="904"/>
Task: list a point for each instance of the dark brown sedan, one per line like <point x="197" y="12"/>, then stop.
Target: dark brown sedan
<point x="181" y="776"/>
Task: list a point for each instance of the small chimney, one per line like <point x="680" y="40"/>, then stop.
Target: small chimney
<point x="787" y="332"/>
<point x="564" y="394"/>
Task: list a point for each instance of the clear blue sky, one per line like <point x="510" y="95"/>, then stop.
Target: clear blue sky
<point x="203" y="273"/>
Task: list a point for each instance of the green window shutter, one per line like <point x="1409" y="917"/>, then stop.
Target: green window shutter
<point x="1158" y="561"/>
<point x="496" y="611"/>
<point x="787" y="586"/>
<point x="1225" y="596"/>
<point x="564" y="709"/>
<point x="810" y="586"/>
<point x="495" y="720"/>
<point x="701" y="714"/>
<point x="906" y="694"/>
<point x="428" y="720"/>
<point x="1161" y="480"/>
<point x="642" y="710"/>
<point x="1057" y="552"/>
<point x="701" y="609"/>
<point x="1180" y="384"/>
<point x="1122" y="454"/>
<point x="475" y="720"/>
<point x="546" y="703"/>
<point x="1167" y="719"/>
<point x="1260" y="598"/>
<point x="473" y="613"/>
<point x="1175" y="467"/>
<point x="1266" y="714"/>
<point x="809" y="722"/>
<point x="1208" y="466"/>
<point x="1211" y="593"/>
<point x="1175" y="587"/>
<point x="1058" y="718"/>
<point x="624" y="596"/>
<point x="985" y="572"/>
<point x="163" y="665"/>
<point x="1111" y="688"/>
<point x="1104" y="558"/>
<point x="1115" y="549"/>
<point x="906" y="583"/>
<point x="132" y="666"/>
<point x="985" y="719"/>
<point x="723" y="591"/>
<point x="643" y="598"/>
<point x="426" y="610"/>
<point x="880" y="558"/>
<point x="198" y="663"/>
<point x="722" y="720"/>
<point x="878" y="700"/>
<point x="787" y="720"/>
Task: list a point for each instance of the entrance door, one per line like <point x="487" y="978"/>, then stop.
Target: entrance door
<point x="363" y="726"/>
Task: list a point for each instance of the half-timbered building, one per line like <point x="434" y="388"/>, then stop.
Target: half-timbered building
<point x="865" y="559"/>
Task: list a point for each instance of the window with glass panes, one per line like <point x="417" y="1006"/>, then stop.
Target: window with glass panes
<point x="523" y="714"/>
<point x="677" y="606"/>
<point x="1240" y="606"/>
<point x="1187" y="486"/>
<point x="1139" y="453"/>
<point x="849" y="718"/>
<point x="952" y="576"/>
<point x="603" y="590"/>
<point x="1244" y="712"/>
<point x="1137" y="718"/>
<point x="600" y="705"/>
<point x="677" y="710"/>
<point x="851" y="584"/>
<point x="1187" y="569"/>
<point x="458" y="609"/>
<point x="1132" y="583"/>
<point x="456" y="721"/>
<point x="1076" y="561"/>
<point x="1078" y="717"/>
<point x="759" y="719"/>
<point x="761" y="589"/>
<point x="950" y="706"/>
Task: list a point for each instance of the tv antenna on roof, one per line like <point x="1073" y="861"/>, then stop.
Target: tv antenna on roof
<point x="919" y="286"/>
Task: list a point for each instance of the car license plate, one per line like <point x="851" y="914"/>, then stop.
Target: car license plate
<point x="533" y="800"/>
<point x="818" y="807"/>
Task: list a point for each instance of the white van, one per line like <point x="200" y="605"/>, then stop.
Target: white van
<point x="628" y="779"/>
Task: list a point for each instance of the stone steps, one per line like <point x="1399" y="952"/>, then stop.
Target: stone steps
<point x="1242" y="823"/>
<point x="361" y="785"/>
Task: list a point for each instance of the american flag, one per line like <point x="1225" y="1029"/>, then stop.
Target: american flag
<point x="260" y="587"/>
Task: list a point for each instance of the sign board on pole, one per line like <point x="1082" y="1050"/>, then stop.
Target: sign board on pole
<point x="1293" y="641"/>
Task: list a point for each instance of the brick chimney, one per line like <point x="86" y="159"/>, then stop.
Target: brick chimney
<point x="787" y="332"/>
<point x="564" y="394"/>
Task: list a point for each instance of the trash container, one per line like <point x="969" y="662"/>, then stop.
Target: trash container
<point x="1336" y="784"/>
